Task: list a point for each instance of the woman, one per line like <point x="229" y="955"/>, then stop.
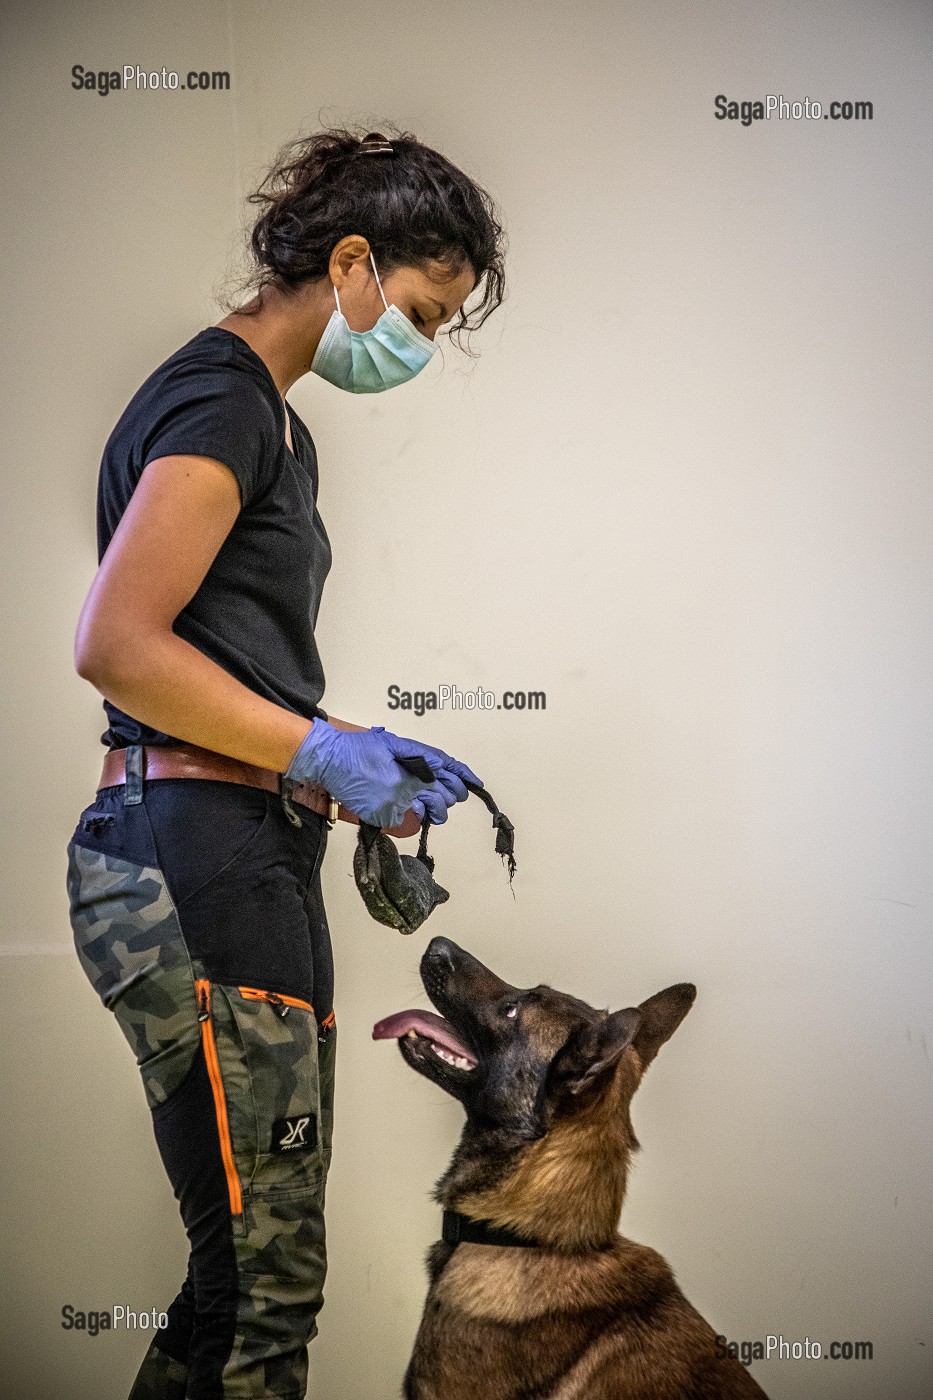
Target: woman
<point x="194" y="877"/>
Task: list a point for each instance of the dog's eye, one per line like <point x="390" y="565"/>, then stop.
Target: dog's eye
<point x="511" y="1010"/>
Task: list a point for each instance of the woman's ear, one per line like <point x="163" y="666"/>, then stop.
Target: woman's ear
<point x="350" y="251"/>
<point x="591" y="1051"/>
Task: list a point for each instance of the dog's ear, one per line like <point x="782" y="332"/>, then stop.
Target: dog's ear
<point x="591" y="1051"/>
<point x="660" y="1017"/>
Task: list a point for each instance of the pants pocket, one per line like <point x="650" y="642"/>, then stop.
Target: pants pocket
<point x="129" y="942"/>
<point x="262" y="1052"/>
<point x="205" y="832"/>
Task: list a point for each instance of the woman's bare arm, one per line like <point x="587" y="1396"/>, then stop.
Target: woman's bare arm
<point x="178" y="517"/>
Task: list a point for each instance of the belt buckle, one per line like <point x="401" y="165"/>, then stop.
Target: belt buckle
<point x="333" y="811"/>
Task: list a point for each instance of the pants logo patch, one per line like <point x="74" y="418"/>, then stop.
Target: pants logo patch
<point x="294" y="1134"/>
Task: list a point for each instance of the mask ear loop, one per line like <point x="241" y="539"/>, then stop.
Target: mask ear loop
<point x="381" y="292"/>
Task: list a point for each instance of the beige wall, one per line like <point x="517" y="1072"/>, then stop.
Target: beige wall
<point x="685" y="490"/>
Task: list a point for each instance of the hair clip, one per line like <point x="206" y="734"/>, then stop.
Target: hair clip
<point x="375" y="144"/>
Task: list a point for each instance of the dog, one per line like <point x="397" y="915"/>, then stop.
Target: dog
<point x="533" y="1292"/>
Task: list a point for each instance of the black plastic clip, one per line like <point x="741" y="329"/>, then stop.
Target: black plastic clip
<point x="285" y="790"/>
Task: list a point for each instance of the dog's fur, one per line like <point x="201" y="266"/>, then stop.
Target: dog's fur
<point x="544" y="1152"/>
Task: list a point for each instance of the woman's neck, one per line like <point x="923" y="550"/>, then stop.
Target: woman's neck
<point x="284" y="331"/>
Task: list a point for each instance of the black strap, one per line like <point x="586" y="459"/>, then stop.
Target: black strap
<point x="457" y="1228"/>
<point x="505" y="831"/>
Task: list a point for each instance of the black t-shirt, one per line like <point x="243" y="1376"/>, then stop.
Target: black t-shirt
<point x="256" y="609"/>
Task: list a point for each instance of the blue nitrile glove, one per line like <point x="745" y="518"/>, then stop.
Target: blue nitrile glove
<point x="450" y="776"/>
<point x="359" y="769"/>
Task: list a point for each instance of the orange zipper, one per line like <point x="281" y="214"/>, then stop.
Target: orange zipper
<point x="277" y="999"/>
<point x="203" y="990"/>
<point x="281" y="1002"/>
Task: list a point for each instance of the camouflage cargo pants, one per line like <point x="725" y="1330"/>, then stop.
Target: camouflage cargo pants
<point x="197" y="916"/>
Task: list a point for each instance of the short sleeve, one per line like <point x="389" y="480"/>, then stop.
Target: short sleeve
<point x="217" y="412"/>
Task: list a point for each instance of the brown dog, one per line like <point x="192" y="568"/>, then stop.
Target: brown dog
<point x="533" y="1292"/>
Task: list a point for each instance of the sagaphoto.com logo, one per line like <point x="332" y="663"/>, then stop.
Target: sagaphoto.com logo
<point x="775" y="105"/>
<point x="132" y="77"/>
<point x="451" y="697"/>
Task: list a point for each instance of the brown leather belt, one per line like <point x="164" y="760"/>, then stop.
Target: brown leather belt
<point x="191" y="761"/>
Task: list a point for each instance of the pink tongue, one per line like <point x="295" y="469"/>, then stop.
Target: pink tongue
<point x="425" y="1022"/>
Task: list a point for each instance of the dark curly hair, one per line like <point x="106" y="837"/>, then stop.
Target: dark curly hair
<point x="413" y="206"/>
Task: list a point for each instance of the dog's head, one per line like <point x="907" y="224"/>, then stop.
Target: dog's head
<point x="522" y="1059"/>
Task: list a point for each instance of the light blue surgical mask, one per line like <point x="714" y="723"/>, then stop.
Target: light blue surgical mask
<point x="365" y="362"/>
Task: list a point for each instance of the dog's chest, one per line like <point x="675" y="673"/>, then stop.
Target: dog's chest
<point x="490" y="1328"/>
<point x="460" y="1357"/>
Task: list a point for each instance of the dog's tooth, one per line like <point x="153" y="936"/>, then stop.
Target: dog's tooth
<point x="458" y="1061"/>
<point x="411" y="1035"/>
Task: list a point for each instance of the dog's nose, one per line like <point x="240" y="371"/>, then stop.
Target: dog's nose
<point x="442" y="949"/>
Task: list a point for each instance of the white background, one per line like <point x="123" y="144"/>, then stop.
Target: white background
<point x="685" y="489"/>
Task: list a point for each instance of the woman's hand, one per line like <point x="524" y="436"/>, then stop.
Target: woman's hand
<point x="360" y="769"/>
<point x="450" y="779"/>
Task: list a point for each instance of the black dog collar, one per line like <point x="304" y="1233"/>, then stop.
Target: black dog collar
<point x="457" y="1228"/>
